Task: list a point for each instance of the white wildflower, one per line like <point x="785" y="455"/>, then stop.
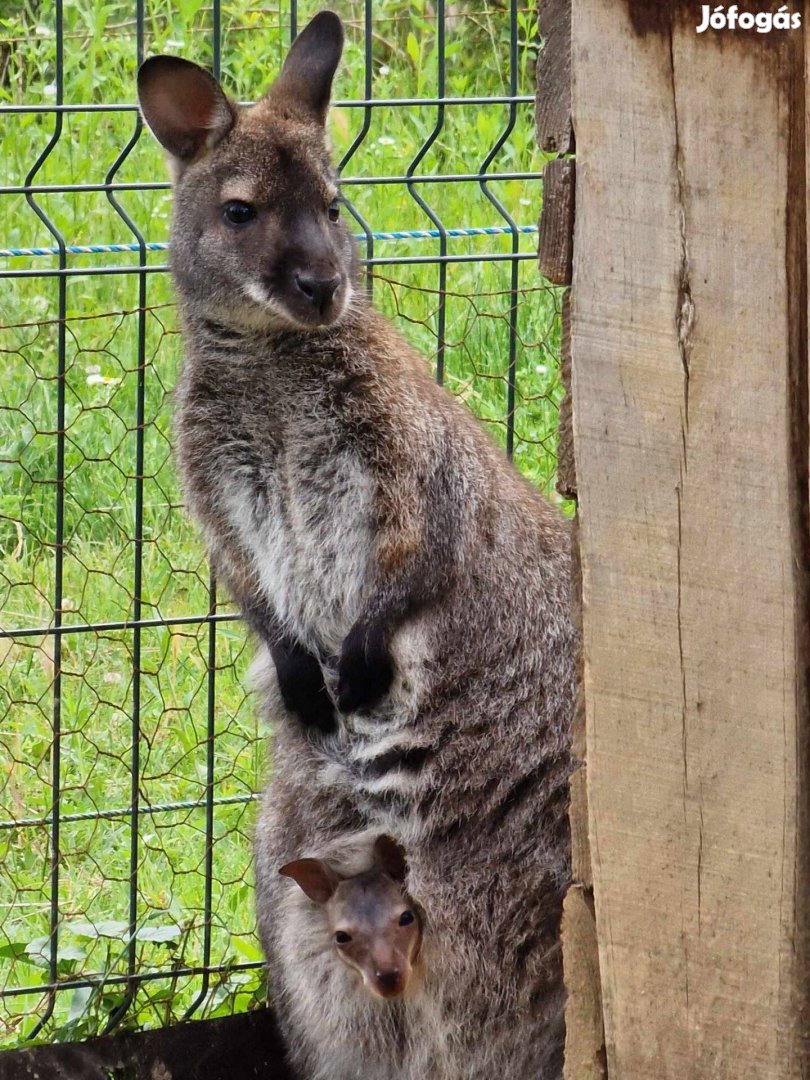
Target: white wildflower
<point x="96" y="379"/>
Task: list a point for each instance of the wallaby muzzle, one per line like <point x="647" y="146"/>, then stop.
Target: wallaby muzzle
<point x="319" y="291"/>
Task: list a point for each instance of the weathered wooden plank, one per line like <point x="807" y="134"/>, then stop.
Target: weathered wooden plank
<point x="795" y="1038"/>
<point x="584" y="1031"/>
<point x="556" y="228"/>
<point x="584" y="1026"/>
<point x="566" y="460"/>
<point x="684" y="374"/>
<point x="553" y="109"/>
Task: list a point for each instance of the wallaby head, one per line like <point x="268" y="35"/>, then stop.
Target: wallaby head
<point x="374" y="926"/>
<point x="257" y="238"/>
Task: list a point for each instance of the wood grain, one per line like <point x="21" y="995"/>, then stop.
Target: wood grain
<point x="684" y="374"/>
<point x="553" y="112"/>
<point x="584" y="1032"/>
<point x="556" y="229"/>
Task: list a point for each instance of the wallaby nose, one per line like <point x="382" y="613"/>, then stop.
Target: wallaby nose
<point x="319" y="291"/>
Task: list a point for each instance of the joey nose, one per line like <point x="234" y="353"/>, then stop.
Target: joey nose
<point x="319" y="291"/>
<point x="389" y="982"/>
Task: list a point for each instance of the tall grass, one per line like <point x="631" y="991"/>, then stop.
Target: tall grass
<point x="100" y="386"/>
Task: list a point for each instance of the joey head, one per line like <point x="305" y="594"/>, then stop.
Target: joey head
<point x="368" y="919"/>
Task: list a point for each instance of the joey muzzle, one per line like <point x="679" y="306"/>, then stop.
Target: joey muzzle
<point x="389" y="982"/>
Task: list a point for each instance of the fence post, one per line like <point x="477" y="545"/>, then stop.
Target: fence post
<point x="584" y="1046"/>
<point x="690" y="417"/>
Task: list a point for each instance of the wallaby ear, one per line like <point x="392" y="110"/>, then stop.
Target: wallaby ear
<point x="390" y="856"/>
<point x="318" y="880"/>
<point x="183" y="105"/>
<point x="305" y="82"/>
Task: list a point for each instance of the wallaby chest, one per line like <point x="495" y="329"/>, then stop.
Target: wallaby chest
<point x="291" y="498"/>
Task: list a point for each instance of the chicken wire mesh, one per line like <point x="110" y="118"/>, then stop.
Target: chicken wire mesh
<point x="130" y="749"/>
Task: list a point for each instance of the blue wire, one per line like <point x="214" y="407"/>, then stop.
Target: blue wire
<point x="404" y="234"/>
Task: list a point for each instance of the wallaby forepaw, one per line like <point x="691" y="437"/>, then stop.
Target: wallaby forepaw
<point x="300" y="680"/>
<point x="365" y="671"/>
<point x="317" y="712"/>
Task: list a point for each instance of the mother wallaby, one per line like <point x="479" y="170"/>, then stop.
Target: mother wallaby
<point x="409" y="586"/>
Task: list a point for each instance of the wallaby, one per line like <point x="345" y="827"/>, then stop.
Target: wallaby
<point x="347" y="1005"/>
<point x="408" y="589"/>
<point x="366" y="918"/>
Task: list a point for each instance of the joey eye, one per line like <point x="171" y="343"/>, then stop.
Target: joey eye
<point x="333" y="210"/>
<point x="406" y="918"/>
<point x="238" y="213"/>
<point x="342" y="938"/>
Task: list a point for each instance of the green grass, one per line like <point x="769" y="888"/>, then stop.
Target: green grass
<point x="101" y="377"/>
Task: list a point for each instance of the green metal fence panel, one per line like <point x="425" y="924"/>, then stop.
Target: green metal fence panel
<point x="130" y="750"/>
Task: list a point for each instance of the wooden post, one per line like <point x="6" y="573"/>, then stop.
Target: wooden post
<point x="584" y="1043"/>
<point x="690" y="407"/>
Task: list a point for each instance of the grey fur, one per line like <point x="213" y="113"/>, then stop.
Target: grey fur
<point x="359" y="514"/>
<point x="367" y="1034"/>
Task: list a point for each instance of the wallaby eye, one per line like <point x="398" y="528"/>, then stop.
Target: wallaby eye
<point x="238" y="213"/>
<point x="333" y="210"/>
<point x="406" y="918"/>
<point x="342" y="938"/>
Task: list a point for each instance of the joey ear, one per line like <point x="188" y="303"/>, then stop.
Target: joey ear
<point x="391" y="857"/>
<point x="305" y="82"/>
<point x="183" y="105"/>
<point x="318" y="880"/>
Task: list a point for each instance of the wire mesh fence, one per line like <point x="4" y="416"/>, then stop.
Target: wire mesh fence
<point x="130" y="752"/>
